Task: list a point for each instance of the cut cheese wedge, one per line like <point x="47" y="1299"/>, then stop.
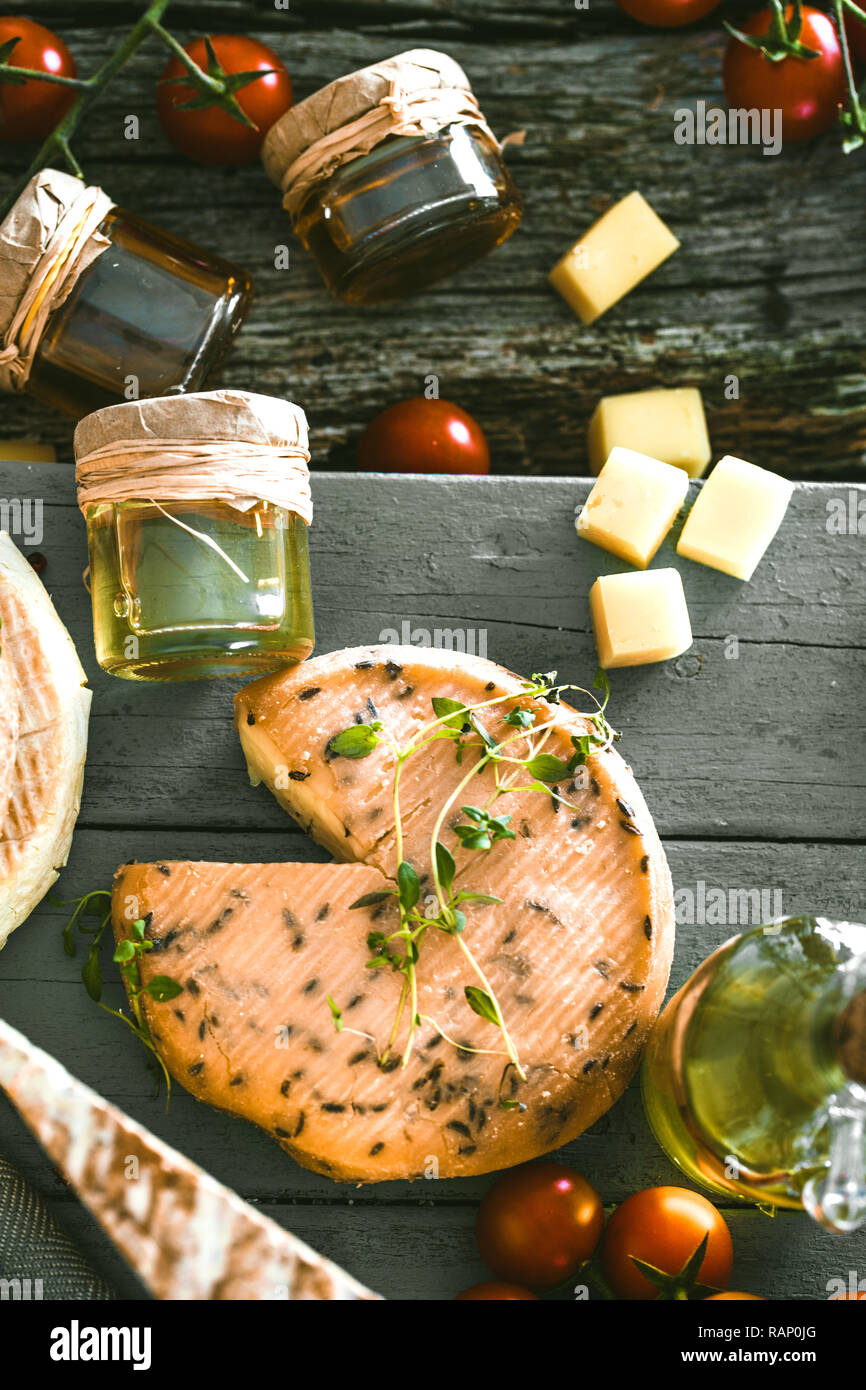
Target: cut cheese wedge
<point x="52" y="707"/>
<point x="577" y="953"/>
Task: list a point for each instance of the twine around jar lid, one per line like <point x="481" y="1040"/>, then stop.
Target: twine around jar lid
<point x="47" y="240"/>
<point x="231" y="446"/>
<point x="415" y="93"/>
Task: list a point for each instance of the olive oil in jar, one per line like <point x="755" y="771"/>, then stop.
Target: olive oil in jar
<point x="198" y="589"/>
<point x="745" y="1081"/>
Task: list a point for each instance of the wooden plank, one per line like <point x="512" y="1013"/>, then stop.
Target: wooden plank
<point x="411" y="1252"/>
<point x="766" y="286"/>
<point x="497" y="561"/>
<point x="41" y="994"/>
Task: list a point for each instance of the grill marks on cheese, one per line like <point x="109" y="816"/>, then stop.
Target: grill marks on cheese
<point x="578" y="953"/>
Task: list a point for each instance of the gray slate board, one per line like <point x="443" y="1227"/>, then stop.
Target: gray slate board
<point x="752" y="766"/>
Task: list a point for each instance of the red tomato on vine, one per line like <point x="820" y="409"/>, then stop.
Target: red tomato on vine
<point x="30" y="109"/>
<point x="208" y="133"/>
<point x="807" y="90"/>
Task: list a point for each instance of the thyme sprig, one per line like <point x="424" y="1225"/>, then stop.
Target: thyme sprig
<point x="128" y="955"/>
<point x="477" y="748"/>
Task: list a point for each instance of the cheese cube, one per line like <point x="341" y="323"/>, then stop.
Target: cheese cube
<point x="26" y="451"/>
<point x="632" y="506"/>
<point x="668" y="424"/>
<point x="611" y="258"/>
<point x="639" y="617"/>
<point x="737" y="514"/>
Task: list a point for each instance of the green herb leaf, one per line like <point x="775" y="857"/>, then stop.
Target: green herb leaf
<point x="124" y="951"/>
<point x="520" y="718"/>
<point x="358" y="741"/>
<point x="452" y="712"/>
<point x="162" y="988"/>
<point x="481" y="1004"/>
<point x="471" y="837"/>
<point x="91" y="973"/>
<point x="482" y="733"/>
<point x="408" y="886"/>
<point x="371" y="899"/>
<point x="445" y="866"/>
<point x="512" y="1105"/>
<point x="336" y="1014"/>
<point x="547" y="768"/>
<point x="464" y="897"/>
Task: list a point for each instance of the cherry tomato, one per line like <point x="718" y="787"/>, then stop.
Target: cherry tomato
<point x="667" y="14"/>
<point x="537" y="1224"/>
<point x="211" y="135"/>
<point x="855" y="32"/>
<point x="488" y="1293"/>
<point x="731" y="1295"/>
<point x="32" y="110"/>
<point x="808" y="91"/>
<point x="421" y="436"/>
<point x="663" y="1226"/>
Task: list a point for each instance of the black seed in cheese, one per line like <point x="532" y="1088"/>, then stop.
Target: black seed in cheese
<point x="297" y="776"/>
<point x="625" y="808"/>
<point x="310" y="693"/>
<point x="648" y="928"/>
<point x="595" y="1010"/>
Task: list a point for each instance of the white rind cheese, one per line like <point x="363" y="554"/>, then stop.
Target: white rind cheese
<point x="53" y="708"/>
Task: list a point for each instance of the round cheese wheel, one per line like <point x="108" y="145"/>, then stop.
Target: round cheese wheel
<point x="577" y="951"/>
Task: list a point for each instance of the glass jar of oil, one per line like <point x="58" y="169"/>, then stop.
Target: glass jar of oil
<point x="405" y="191"/>
<point x="754" y="1079"/>
<point x="186" y="586"/>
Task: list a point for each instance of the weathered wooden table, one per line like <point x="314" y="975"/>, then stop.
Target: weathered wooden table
<point x="768" y="286"/>
<point x="749" y="749"/>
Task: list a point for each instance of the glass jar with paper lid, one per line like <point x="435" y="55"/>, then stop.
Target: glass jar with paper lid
<point x="98" y="306"/>
<point x="197" y="510"/>
<point x="392" y="177"/>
